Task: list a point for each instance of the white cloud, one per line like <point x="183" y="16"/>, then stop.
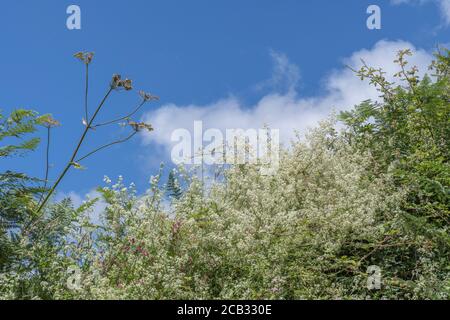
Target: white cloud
<point x="285" y="75"/>
<point x="445" y="10"/>
<point x="284" y="111"/>
<point x="444" y="6"/>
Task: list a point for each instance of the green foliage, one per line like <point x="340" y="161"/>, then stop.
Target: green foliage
<point x="20" y="123"/>
<point x="173" y="187"/>
<point x="409" y="135"/>
<point x="17" y="190"/>
<point x="374" y="194"/>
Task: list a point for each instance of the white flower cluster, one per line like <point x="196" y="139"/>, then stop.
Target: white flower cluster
<point x="306" y="232"/>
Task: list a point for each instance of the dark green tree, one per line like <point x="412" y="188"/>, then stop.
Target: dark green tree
<point x="173" y="187"/>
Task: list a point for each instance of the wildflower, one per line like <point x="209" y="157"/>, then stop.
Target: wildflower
<point x="176" y="227"/>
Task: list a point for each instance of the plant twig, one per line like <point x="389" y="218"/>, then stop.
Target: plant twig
<point x="80" y="142"/>
<point x="106" y="146"/>
<point x="47" y="166"/>
<point x="86" y="94"/>
<point x="121" y="118"/>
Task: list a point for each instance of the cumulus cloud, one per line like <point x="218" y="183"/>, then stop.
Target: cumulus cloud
<point x="288" y="111"/>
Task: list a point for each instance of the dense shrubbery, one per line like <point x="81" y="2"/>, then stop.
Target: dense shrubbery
<point x="375" y="193"/>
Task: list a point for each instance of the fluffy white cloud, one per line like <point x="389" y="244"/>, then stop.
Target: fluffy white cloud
<point x="288" y="111"/>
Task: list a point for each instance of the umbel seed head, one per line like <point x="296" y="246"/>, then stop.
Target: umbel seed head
<point x="147" y="96"/>
<point x="117" y="83"/>
<point x="139" y="126"/>
<point x="49" y="122"/>
<point x="127" y="84"/>
<point x="85" y="57"/>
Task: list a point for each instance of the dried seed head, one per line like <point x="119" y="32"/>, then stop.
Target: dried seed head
<point x="127" y="84"/>
<point x="49" y="122"/>
<point x="139" y="126"/>
<point x="79" y="55"/>
<point x="89" y="57"/>
<point x="85" y="57"/>
<point x="116" y="82"/>
<point x="147" y="96"/>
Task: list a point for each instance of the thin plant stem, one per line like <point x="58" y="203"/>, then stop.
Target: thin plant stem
<point x="122" y="118"/>
<point x="70" y="163"/>
<point x="86" y="93"/>
<point x="106" y="146"/>
<point x="47" y="166"/>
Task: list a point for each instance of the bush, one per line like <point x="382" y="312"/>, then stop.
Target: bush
<point x="374" y="194"/>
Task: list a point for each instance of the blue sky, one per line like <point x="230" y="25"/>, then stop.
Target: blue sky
<point x="201" y="57"/>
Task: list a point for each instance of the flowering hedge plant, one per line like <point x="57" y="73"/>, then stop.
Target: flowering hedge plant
<point x="375" y="193"/>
